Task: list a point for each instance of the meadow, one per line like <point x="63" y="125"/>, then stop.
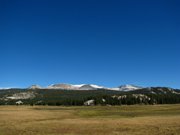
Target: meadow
<point x="92" y="120"/>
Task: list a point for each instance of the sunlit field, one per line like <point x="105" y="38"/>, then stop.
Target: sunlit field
<point x="93" y="120"/>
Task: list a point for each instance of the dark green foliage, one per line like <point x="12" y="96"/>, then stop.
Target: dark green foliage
<point x="102" y="97"/>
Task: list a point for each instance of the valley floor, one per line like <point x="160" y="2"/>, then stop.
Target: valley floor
<point x="93" y="120"/>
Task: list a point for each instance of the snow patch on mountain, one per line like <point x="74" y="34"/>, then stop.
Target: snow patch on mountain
<point x="97" y="86"/>
<point x="75" y="87"/>
<point x="91" y="87"/>
<point x="62" y="86"/>
<point x="78" y="85"/>
<point x="35" y="87"/>
<point x="128" y="87"/>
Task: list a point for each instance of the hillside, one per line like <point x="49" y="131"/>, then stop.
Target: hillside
<point x="152" y="95"/>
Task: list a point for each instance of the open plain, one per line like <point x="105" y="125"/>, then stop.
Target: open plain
<point x="93" y="120"/>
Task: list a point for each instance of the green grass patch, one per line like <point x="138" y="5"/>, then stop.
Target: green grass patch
<point x="128" y="111"/>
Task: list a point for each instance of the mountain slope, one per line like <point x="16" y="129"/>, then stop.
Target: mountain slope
<point x="129" y="87"/>
<point x="87" y="87"/>
<point x="152" y="95"/>
<point x="63" y="86"/>
<point x="91" y="87"/>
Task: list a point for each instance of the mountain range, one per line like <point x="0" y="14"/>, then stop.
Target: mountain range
<point x="68" y="94"/>
<point x="63" y="86"/>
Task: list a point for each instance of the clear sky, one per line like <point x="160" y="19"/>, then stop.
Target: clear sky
<point x="104" y="42"/>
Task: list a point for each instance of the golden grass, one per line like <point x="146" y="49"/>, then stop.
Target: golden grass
<point x="118" y="120"/>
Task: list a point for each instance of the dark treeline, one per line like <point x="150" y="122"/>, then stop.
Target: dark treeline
<point x="100" y="97"/>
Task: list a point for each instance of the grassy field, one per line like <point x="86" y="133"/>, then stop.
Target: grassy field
<point x="97" y="120"/>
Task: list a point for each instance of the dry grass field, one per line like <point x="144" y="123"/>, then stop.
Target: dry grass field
<point x="96" y="120"/>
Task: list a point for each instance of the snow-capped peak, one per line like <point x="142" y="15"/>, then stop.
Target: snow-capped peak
<point x="62" y="86"/>
<point x="35" y="87"/>
<point x="97" y="86"/>
<point x="65" y="86"/>
<point x="78" y="85"/>
<point x="90" y="87"/>
<point x="128" y="87"/>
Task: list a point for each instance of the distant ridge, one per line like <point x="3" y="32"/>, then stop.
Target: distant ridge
<point x="65" y="86"/>
<point x="67" y="94"/>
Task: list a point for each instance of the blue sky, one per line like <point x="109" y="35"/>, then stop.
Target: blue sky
<point x="106" y="42"/>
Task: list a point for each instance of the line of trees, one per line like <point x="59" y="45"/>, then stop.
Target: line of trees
<point x="100" y="97"/>
<point x="109" y="100"/>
